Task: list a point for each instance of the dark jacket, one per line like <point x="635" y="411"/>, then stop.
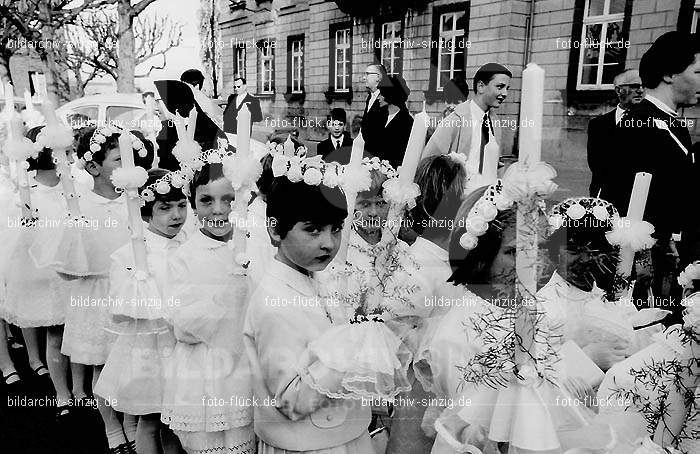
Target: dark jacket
<point x="393" y="139"/>
<point x="602" y="149"/>
<point x="328" y="152"/>
<point x="372" y="125"/>
<point x="231" y="112"/>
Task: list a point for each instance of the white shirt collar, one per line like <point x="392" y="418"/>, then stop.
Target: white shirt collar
<point x="372" y="97"/>
<point x="661" y="105"/>
<point x="476" y="111"/>
<point x="300" y="282"/>
<point x="156" y="241"/>
<point x="391" y="117"/>
<point x="98" y="199"/>
<point x="206" y="242"/>
<point x="619" y="112"/>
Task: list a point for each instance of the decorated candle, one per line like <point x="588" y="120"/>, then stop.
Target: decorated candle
<point x="15" y="135"/>
<point x="414" y="149"/>
<point x="28" y="100"/>
<point x="240" y="204"/>
<point x="52" y="124"/>
<point x="354" y="168"/>
<point x="635" y="212"/>
<point x="531" y="106"/>
<point x="491" y="155"/>
<point x="243" y="131"/>
<point x="133" y="204"/>
<point x="192" y="123"/>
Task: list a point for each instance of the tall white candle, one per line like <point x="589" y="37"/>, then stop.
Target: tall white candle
<point x="414" y="149"/>
<point x="243" y="131"/>
<point x="635" y="211"/>
<point x="192" y="123"/>
<point x="133" y="205"/>
<point x="354" y="167"/>
<point x="15" y="130"/>
<point x="28" y="100"/>
<point x="531" y="107"/>
<point x="492" y="153"/>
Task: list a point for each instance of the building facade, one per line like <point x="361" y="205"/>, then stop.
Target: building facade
<point x="302" y="58"/>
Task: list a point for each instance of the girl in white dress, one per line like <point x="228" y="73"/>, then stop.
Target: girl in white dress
<point x="132" y="378"/>
<point x="206" y="396"/>
<point x="89" y="332"/>
<point x="293" y="412"/>
<point x="470" y="361"/>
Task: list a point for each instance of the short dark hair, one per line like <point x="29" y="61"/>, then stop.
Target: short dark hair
<point x="205" y="175"/>
<point x="264" y="183"/>
<point x="338" y="113"/>
<point x="241" y="78"/>
<point x="395" y="90"/>
<point x="670" y="54"/>
<point x="194" y="77"/>
<point x="487" y="71"/>
<point x="44" y="160"/>
<point x="173" y="194"/>
<point x="290" y="203"/>
<point x="441" y="181"/>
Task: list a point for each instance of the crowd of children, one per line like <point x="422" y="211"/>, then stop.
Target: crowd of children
<point x="398" y="342"/>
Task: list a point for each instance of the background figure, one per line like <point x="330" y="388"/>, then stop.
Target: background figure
<point x="336" y="147"/>
<point x="391" y="144"/>
<point x="657" y="141"/>
<point x="236" y="101"/>
<point x="455" y="92"/>
<point x="603" y="142"/>
<point x="373" y="117"/>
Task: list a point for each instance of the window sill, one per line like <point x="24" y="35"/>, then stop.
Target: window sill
<point x="332" y="95"/>
<point x="583" y="97"/>
<point x="264" y="95"/>
<point x="295" y="97"/>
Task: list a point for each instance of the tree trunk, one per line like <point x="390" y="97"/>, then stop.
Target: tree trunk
<point x="46" y="54"/>
<point x="127" y="49"/>
<point x="214" y="49"/>
<point x="5" y="74"/>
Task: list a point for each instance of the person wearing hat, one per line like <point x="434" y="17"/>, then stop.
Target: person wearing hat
<point x="657" y="141"/>
<point x="602" y="144"/>
<point x="336" y="147"/>
<point x="473" y="125"/>
<point x="392" y="142"/>
<point x="374" y="116"/>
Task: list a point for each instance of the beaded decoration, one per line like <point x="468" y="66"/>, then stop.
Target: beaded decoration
<point x="571" y="212"/>
<point x="484" y="211"/>
<point x="381" y="165"/>
<point x="100" y="136"/>
<point x="178" y="179"/>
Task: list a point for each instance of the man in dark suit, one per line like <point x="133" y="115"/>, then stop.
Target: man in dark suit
<point x="602" y="135"/>
<point x="657" y="141"/>
<point x="336" y="147"/>
<point x="236" y="101"/>
<point x="374" y="116"/>
<point x="392" y="142"/>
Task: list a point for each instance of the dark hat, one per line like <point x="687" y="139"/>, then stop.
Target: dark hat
<point x="395" y="90"/>
<point x="338" y="114"/>
<point x="670" y="54"/>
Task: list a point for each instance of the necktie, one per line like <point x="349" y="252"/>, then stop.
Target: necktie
<point x="337" y="144"/>
<point x="485" y="125"/>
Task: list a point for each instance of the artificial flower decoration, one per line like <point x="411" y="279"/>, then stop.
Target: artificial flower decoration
<point x="484" y="211"/>
<point x="99" y="137"/>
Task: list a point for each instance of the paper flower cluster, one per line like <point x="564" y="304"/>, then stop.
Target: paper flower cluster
<point x="19" y="149"/>
<point x="396" y="193"/>
<point x="691" y="315"/>
<point x="631" y="233"/>
<point x="129" y="178"/>
<point x="689" y="274"/>
<point x="382" y="166"/>
<point x="178" y="179"/>
<point x="460" y="158"/>
<point x="32" y="118"/>
<point x="187" y="152"/>
<point x="524" y="181"/>
<point x="577" y="208"/>
<point x="242" y="170"/>
<point x="485" y="210"/>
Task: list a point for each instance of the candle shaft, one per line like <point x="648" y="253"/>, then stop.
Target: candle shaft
<point x="243" y="131"/>
<point x="638" y="199"/>
<point x="354" y="166"/>
<point x="133" y="206"/>
<point x="531" y="108"/>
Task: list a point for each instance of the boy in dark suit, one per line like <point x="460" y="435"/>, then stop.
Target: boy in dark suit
<point x="236" y="101"/>
<point x="336" y="147"/>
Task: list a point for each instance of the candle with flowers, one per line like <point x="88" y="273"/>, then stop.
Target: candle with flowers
<point x="18" y="148"/>
<point x="353" y="180"/>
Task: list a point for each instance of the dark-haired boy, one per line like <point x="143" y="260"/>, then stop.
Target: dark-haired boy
<point x="336" y="147"/>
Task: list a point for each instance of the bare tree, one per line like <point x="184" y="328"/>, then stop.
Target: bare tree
<point x="8" y="33"/>
<point x="94" y="43"/>
<point x="38" y="21"/>
<point x="210" y="35"/>
<point x="126" y="13"/>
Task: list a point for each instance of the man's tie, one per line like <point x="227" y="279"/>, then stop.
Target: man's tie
<point x="485" y="125"/>
<point x="337" y="144"/>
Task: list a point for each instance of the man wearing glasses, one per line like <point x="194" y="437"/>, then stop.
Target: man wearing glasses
<point x="374" y="117"/>
<point x="602" y="131"/>
<point x="236" y="101"/>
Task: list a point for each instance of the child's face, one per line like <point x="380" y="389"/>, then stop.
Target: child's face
<point x="113" y="160"/>
<point x="213" y="205"/>
<point x="309" y="246"/>
<point x="168" y="217"/>
<point x="371" y="212"/>
<point x="336" y="128"/>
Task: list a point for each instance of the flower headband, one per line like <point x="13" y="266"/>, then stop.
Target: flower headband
<point x="382" y="166"/>
<point x="293" y="163"/>
<point x="623" y="232"/>
<point x="484" y="211"/>
<point x="103" y="132"/>
<point x="177" y="179"/>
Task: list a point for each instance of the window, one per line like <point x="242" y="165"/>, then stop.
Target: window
<point x="448" y="46"/>
<point x="390" y="50"/>
<point x="601" y="44"/>
<point x="239" y="60"/>
<point x="340" y="62"/>
<point x="266" y="60"/>
<point x="295" y="64"/>
<point x="695" y="25"/>
<point x="122" y="115"/>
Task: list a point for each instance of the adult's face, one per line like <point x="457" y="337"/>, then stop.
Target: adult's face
<point x="495" y="92"/>
<point x="239" y="87"/>
<point x="686" y="85"/>
<point x="372" y="77"/>
<point x="630" y="94"/>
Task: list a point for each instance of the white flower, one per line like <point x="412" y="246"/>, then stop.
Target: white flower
<point x="95" y="147"/>
<point x="176" y="180"/>
<point x="556" y="221"/>
<point x="162" y="188"/>
<point x="690" y="273"/>
<point x="294" y="174"/>
<point x="691" y="315"/>
<point x="214" y="158"/>
<point x="476" y="225"/>
<point x="87" y="156"/>
<point x="502" y="202"/>
<point x="576" y="211"/>
<point x="468" y="241"/>
<point x="279" y="165"/>
<point x="487" y="210"/>
<point x="148" y="195"/>
<point x="600" y="212"/>
<point x="313" y="177"/>
<point x="631" y="233"/>
<point x="330" y="178"/>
